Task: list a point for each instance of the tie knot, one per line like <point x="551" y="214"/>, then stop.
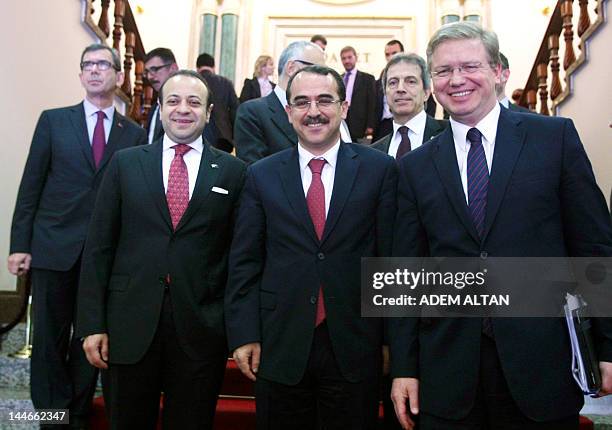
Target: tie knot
<point x="101" y="115"/>
<point x="474" y="136"/>
<point x="181" y="149"/>
<point x="403" y="131"/>
<point x="316" y="165"/>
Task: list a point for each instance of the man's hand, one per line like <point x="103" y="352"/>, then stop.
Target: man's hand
<point x="96" y="350"/>
<point x="606" y="378"/>
<point x="19" y="263"/>
<point x="247" y="357"/>
<point x="405" y="389"/>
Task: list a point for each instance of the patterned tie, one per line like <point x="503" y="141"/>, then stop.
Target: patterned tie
<point x="99" y="139"/>
<point x="478" y="180"/>
<point x="315" y="199"/>
<point x="178" y="185"/>
<point x="404" y="146"/>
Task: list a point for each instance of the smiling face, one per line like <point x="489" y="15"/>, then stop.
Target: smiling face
<point x="100" y="83"/>
<point x="183" y="110"/>
<point x="468" y="97"/>
<point x="404" y="90"/>
<point x="318" y="128"/>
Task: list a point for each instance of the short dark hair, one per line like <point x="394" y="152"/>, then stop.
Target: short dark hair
<point x="319" y="38"/>
<point x="101" y="47"/>
<point x="205" y="60"/>
<point x="323" y="71"/>
<point x="415" y="59"/>
<point x="396" y="42"/>
<point x="347" y="49"/>
<point x="192" y="74"/>
<point x="504" y="62"/>
<point x="164" y="53"/>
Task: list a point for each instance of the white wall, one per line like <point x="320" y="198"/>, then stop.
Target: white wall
<point x="42" y="43"/>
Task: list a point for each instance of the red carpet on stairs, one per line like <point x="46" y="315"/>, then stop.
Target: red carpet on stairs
<point x="236" y="406"/>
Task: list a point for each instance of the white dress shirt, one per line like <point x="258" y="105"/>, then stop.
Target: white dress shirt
<point x="416" y="131"/>
<point x="327" y="174"/>
<point x="281" y="95"/>
<point x="350" y="84"/>
<point x="192" y="160"/>
<point x="505" y="102"/>
<point x="91" y="118"/>
<point x="153" y="121"/>
<point x="488" y="128"/>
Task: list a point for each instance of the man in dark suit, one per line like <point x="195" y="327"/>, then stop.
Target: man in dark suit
<point x="407" y="89"/>
<point x="262" y="127"/>
<point x="159" y="64"/>
<point x="225" y="104"/>
<point x="68" y="156"/>
<point x="360" y="95"/>
<point x="150" y="304"/>
<point x="494" y="184"/>
<point x="307" y="216"/>
<point x="500" y="88"/>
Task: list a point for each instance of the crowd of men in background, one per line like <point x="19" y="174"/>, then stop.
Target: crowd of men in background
<point x="154" y="253"/>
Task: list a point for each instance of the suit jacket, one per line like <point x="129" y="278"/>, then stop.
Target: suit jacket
<point x="132" y="248"/>
<point x="362" y="112"/>
<point x="542" y="202"/>
<point x="59" y="185"/>
<point x="518" y="108"/>
<point x="223" y="115"/>
<point x="262" y="128"/>
<point x="277" y="262"/>
<point x="433" y="127"/>
<point x="251" y="90"/>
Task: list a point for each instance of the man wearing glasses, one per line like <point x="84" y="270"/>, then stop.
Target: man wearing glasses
<point x="159" y="64"/>
<point x="261" y="126"/>
<point x="68" y="155"/>
<point x="307" y="216"/>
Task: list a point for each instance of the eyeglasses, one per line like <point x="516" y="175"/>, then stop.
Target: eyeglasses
<point x="155" y="69"/>
<point x="307" y="63"/>
<point x="102" y="65"/>
<point x="322" y="103"/>
<point x="464" y="69"/>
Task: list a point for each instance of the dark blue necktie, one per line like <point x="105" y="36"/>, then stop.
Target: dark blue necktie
<point x="478" y="180"/>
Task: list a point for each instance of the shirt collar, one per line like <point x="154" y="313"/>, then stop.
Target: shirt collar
<point x="331" y="156"/>
<point x="486" y="126"/>
<point x="281" y="95"/>
<point x="91" y="109"/>
<point x="197" y="144"/>
<point x="416" y="123"/>
<point x="505" y="102"/>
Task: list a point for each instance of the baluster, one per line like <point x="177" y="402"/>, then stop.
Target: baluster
<point x="568" y="34"/>
<point x="130" y="42"/>
<point x="136" y="111"/>
<point x="532" y="97"/>
<point x="103" y="22"/>
<point x="584" y="21"/>
<point x="146" y="106"/>
<point x="119" y="11"/>
<point x="542" y="71"/>
<point x="555" y="85"/>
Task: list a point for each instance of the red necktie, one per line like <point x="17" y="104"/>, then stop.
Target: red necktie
<point x="177" y="194"/>
<point x="98" y="142"/>
<point x="315" y="199"/>
<point x="404" y="146"/>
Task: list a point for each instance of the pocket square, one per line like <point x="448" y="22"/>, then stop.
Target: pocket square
<point x="219" y="190"/>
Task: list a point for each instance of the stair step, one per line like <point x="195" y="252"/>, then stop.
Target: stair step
<point x="235" y="383"/>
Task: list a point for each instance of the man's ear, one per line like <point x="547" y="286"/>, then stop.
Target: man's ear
<point x="120" y="78"/>
<point x="208" y="112"/>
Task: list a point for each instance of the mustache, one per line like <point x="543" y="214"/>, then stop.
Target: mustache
<point x="318" y="119"/>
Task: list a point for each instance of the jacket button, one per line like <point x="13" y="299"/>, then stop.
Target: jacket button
<point x="313" y="299"/>
<point x="484" y="255"/>
<point x="321" y="256"/>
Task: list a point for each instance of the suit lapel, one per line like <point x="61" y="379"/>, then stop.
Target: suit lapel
<point x="207" y="176"/>
<point x="279" y="118"/>
<point x="445" y="160"/>
<point x="508" y="144"/>
<point x="151" y="165"/>
<point x="77" y="117"/>
<point x="291" y="181"/>
<point x="114" y="138"/>
<point x="385" y="143"/>
<point x="432" y="129"/>
<point x="347" y="166"/>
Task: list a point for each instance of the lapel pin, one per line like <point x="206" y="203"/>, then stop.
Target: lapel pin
<point x="119" y="124"/>
<point x="214" y="166"/>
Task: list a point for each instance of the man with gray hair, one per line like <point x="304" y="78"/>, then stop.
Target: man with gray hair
<point x="407" y="86"/>
<point x="68" y="156"/>
<point x="262" y="127"/>
<point x="496" y="183"/>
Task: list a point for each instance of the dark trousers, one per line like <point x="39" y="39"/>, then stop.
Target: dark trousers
<point x="190" y="387"/>
<point x="323" y="399"/>
<point x="61" y="377"/>
<point x="494" y="407"/>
